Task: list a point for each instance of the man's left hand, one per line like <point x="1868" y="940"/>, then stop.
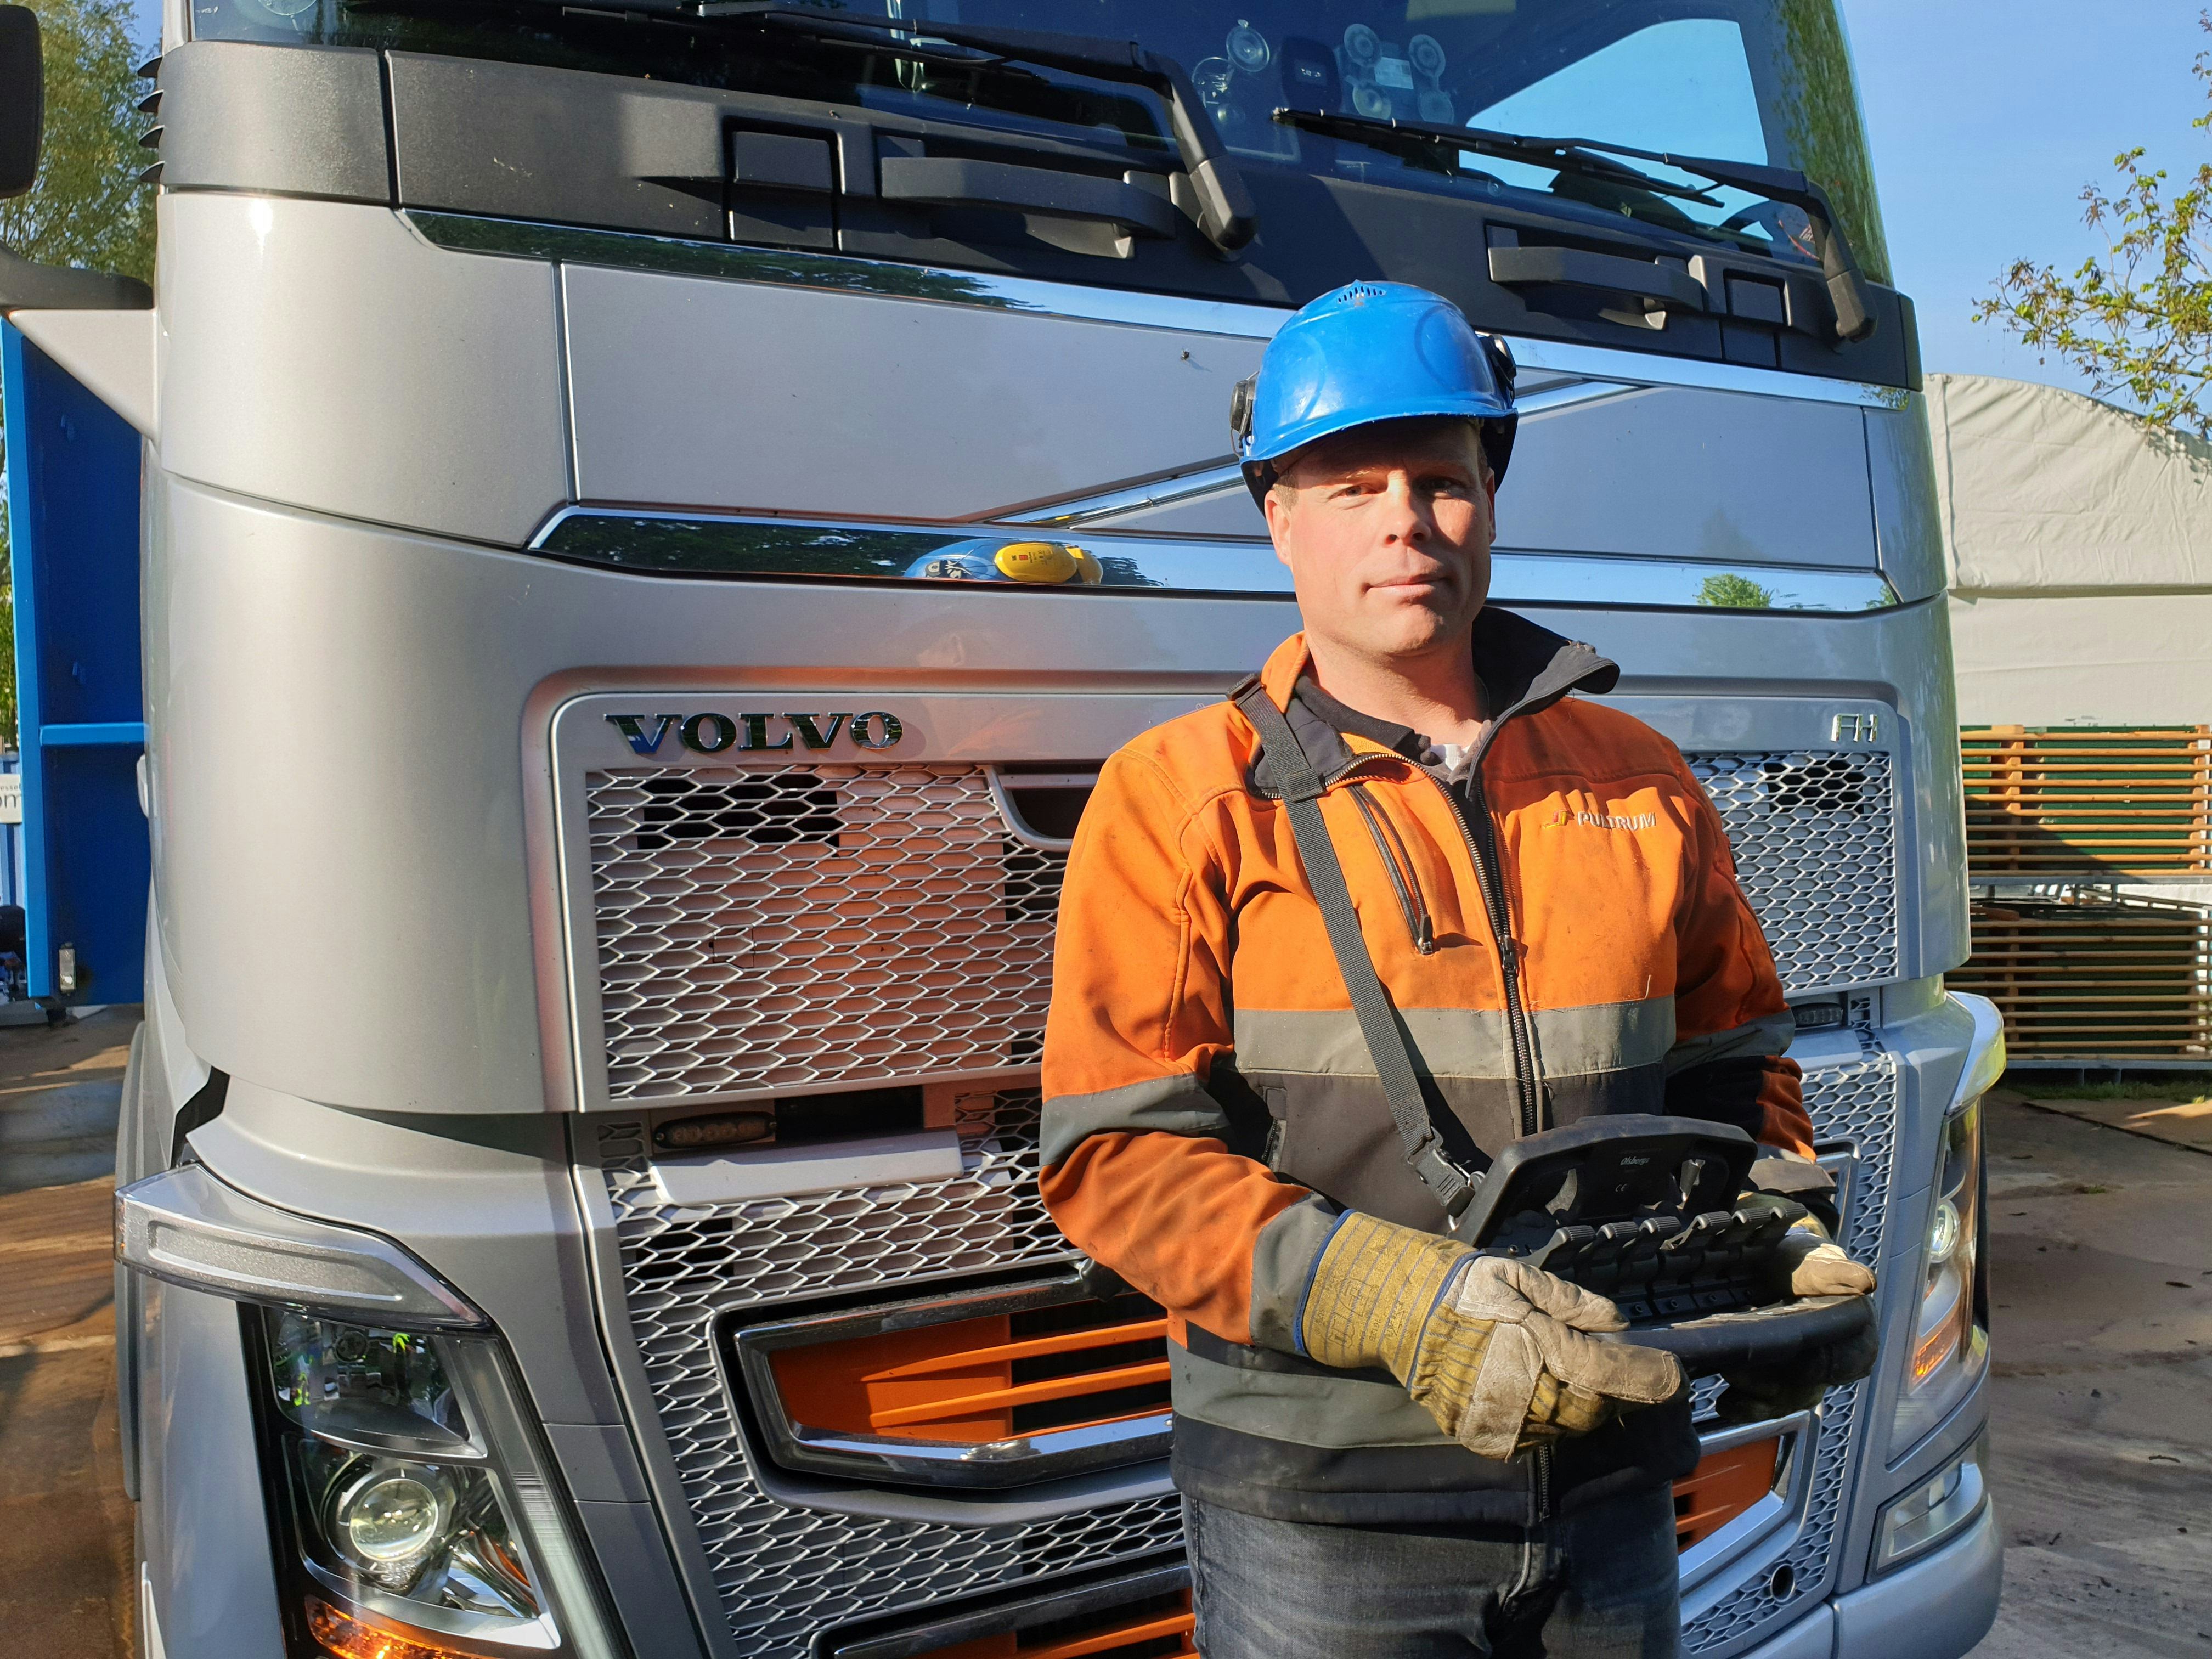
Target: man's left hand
<point x="1818" y="1267"/>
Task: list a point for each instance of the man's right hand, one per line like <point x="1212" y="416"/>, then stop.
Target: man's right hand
<point x="1497" y="1352"/>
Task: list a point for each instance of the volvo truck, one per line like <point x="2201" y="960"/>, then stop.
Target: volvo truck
<point x="634" y="528"/>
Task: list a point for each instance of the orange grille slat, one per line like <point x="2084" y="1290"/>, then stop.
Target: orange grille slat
<point x="1160" y="1412"/>
<point x="989" y="1377"/>
<point x="1176" y="1624"/>
<point x="1026" y="1393"/>
<point x="1722" y="1486"/>
<point x="1066" y="1342"/>
<point x="1145" y="1626"/>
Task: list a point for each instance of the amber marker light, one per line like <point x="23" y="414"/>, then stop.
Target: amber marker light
<point x="1950" y="1350"/>
<point x="349" y="1638"/>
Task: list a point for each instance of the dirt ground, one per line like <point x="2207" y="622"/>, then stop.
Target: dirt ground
<point x="65" y="1527"/>
<point x="2101" y="1244"/>
<point x="2101" y="1275"/>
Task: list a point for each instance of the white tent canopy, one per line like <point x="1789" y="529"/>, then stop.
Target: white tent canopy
<point x="2044" y="491"/>
<point x="2079" y="540"/>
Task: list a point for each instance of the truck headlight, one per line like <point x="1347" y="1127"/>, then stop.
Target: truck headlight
<point x="390" y="1518"/>
<point x="413" y="1506"/>
<point x="1949" y="1348"/>
<point x="1935" y="1509"/>
<point x="404" y="1473"/>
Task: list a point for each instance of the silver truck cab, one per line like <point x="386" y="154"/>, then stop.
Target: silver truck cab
<point x="651" y="519"/>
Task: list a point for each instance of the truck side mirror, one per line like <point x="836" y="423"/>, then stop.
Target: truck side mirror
<point x="23" y="100"/>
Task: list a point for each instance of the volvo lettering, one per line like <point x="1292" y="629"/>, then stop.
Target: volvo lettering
<point x="711" y="734"/>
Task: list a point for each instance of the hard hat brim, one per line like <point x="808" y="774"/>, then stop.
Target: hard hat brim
<point x="1262" y="472"/>
<point x="1291" y="439"/>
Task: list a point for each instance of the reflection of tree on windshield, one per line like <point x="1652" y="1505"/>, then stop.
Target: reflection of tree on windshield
<point x="1828" y="140"/>
<point x="1734" y="593"/>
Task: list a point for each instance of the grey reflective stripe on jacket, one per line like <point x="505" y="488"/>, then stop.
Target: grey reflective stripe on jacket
<point x="1176" y="1105"/>
<point x="1473" y="1043"/>
<point x="1755" y="1041"/>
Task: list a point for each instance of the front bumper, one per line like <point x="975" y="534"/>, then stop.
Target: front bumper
<point x="1935" y="1607"/>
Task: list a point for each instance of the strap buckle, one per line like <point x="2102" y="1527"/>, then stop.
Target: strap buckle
<point x="1452" y="1186"/>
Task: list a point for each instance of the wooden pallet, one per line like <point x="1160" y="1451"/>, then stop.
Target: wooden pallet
<point x="2092" y="973"/>
<point x="2048" y="802"/>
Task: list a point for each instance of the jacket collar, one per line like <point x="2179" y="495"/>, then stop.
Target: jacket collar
<point x="1527" y="668"/>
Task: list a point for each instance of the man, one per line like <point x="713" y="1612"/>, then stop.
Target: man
<point x="1387" y="1445"/>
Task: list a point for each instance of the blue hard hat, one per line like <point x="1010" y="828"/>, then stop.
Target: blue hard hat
<point x="1368" y="352"/>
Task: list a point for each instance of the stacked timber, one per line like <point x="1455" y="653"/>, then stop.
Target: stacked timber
<point x="2044" y="803"/>
<point x="2085" y="974"/>
<point x="2057" y="819"/>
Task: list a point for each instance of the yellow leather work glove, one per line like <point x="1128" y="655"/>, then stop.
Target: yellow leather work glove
<point x="1807" y="1263"/>
<point x="1494" y="1349"/>
<point x="1818" y="1267"/>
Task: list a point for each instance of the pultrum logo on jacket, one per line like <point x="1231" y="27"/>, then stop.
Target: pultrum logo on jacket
<point x="1561" y="816"/>
<point x="751" y="734"/>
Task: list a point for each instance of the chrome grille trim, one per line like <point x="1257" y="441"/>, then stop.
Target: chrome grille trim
<point x="1138" y="560"/>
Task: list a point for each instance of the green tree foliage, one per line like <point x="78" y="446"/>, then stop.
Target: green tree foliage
<point x="1827" y="135"/>
<point x="2137" y="321"/>
<point x="87" y="208"/>
<point x="1734" y="592"/>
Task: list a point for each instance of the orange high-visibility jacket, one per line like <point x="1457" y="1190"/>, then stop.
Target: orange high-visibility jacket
<point x="1210" y="1103"/>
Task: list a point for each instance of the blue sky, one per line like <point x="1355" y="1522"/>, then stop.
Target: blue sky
<point x="1987" y="119"/>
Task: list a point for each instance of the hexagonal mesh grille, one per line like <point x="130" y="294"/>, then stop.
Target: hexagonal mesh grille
<point x="783" y="1573"/>
<point x="1815" y="840"/>
<point x="768" y="929"/>
<point x="1856" y="1101"/>
<point x="762" y="930"/>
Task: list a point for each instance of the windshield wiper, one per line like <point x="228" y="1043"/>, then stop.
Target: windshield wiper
<point x="1225" y="212"/>
<point x="1537" y="152"/>
<point x="1591" y="158"/>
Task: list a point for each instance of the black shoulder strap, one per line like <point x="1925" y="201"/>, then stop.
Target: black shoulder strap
<point x="1452" y="1187"/>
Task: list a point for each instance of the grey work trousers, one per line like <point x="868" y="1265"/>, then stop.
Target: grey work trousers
<point x="1599" y="1585"/>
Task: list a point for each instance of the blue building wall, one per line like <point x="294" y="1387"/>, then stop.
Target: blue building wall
<point x="73" y="467"/>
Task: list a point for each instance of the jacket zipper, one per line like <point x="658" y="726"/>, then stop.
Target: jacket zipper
<point x="1474" y="812"/>
<point x="1483" y="854"/>
<point x="1487" y="877"/>
<point x="1392" y="851"/>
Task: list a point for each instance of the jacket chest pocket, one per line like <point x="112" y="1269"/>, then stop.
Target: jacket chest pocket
<point x="1397" y="860"/>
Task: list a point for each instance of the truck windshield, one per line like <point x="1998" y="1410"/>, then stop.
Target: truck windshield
<point x="1758" y="81"/>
